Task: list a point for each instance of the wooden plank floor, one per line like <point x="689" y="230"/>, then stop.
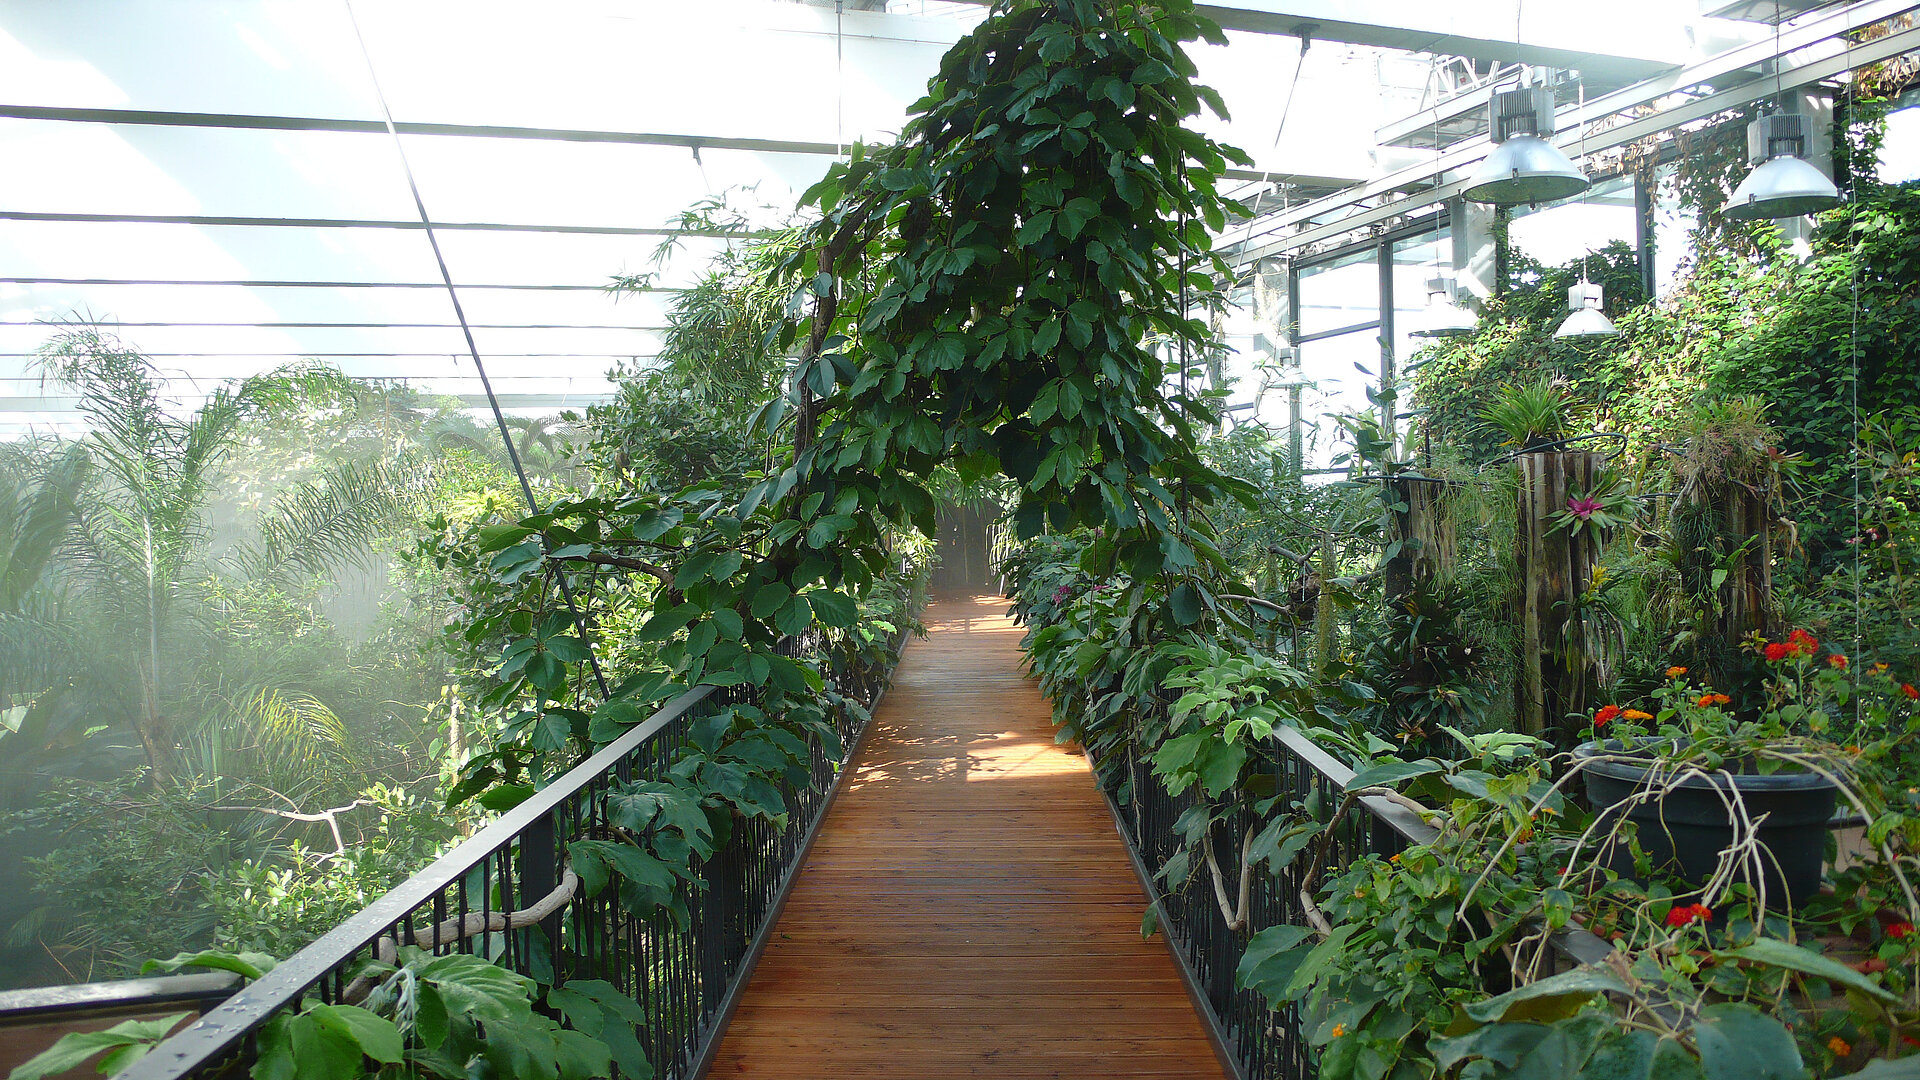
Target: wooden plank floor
<point x="968" y="909"/>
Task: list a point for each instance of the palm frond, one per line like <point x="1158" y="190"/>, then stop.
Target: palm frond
<point x="35" y="520"/>
<point x="329" y="519"/>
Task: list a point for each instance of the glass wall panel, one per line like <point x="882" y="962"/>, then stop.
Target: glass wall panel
<point x="1559" y="234"/>
<point x="1341" y="293"/>
<point x="1338" y="370"/>
<point x="1415" y="260"/>
<point x="1900" y="153"/>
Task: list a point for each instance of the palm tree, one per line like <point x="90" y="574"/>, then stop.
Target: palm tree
<point x="144" y="537"/>
<point x="40" y="495"/>
<point x="39" y="500"/>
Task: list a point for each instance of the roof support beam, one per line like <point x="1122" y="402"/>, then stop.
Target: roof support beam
<point x="1823" y="55"/>
<point x="358" y="223"/>
<point x="1626" y="47"/>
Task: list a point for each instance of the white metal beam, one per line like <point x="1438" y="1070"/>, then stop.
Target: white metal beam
<point x="1647" y="37"/>
<point x="1817" y="51"/>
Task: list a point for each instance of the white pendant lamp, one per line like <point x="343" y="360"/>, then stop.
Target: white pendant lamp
<point x="1444" y="316"/>
<point x="1782" y="184"/>
<point x="1524" y="167"/>
<point x="1587" y="319"/>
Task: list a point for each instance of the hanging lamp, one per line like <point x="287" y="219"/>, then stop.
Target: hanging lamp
<point x="1444" y="316"/>
<point x="1783" y="184"/>
<point x="1524" y="167"/>
<point x="1587" y="319"/>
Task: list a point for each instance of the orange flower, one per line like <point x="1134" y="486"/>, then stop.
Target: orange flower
<point x="1839" y="1046"/>
<point x="1339" y="1030"/>
<point x="1711" y="699"/>
<point x="1636" y="714"/>
<point x="1675" y="672"/>
<point x="1721" y="699"/>
<point x="1907" y="689"/>
<point x="1837" y="661"/>
<point x="1606" y="713"/>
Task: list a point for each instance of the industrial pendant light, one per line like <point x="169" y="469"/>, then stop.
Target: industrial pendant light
<point x="1782" y="184"/>
<point x="1444" y="316"/>
<point x="1524" y="167"/>
<point x="1584" y="298"/>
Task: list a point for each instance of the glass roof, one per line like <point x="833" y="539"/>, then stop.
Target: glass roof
<point x="216" y="178"/>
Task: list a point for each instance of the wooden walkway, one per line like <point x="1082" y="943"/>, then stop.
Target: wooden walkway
<point x="968" y="909"/>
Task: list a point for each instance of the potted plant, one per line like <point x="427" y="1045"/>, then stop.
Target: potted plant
<point x="1720" y="790"/>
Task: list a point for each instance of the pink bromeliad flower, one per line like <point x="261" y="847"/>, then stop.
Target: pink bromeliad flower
<point x="1583" y="509"/>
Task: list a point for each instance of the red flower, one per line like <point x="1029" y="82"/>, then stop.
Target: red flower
<point x="1802" y="643"/>
<point x="1683" y="916"/>
<point x="1899" y="929"/>
<point x="1778" y="651"/>
<point x="1907" y="689"/>
<point x="1837" y="661"/>
<point x="1606" y="713"/>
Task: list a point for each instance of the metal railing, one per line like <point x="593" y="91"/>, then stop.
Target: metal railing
<point x="1258" y="1042"/>
<point x="686" y="977"/>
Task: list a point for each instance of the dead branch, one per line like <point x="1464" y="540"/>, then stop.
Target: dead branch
<point x="473" y="924"/>
<point x="331" y="817"/>
<point x="624" y="562"/>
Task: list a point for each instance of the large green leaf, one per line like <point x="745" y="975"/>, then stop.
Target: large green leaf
<point x="1390" y="773"/>
<point x="1270" y="959"/>
<point x="1551" y="998"/>
<point x="376" y="1036"/>
<point x="74" y="1048"/>
<point x="1906" y="1068"/>
<point x="1738" y="1042"/>
<point x="1794" y="958"/>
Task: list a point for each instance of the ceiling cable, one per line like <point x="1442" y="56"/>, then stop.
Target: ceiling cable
<point x="473" y="350"/>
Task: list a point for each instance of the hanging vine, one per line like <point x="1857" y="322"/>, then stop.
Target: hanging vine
<point x="994" y="294"/>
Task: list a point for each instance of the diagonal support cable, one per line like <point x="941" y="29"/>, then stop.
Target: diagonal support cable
<point x="473" y="350"/>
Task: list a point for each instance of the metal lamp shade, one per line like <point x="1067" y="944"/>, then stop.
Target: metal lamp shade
<point x="1587" y="320"/>
<point x="1782" y="187"/>
<point x="1525" y="170"/>
<point x="1445" y="319"/>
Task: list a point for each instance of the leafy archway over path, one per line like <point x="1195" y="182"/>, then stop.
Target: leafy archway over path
<point x="999" y="291"/>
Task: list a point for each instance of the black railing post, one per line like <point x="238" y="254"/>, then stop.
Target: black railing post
<point x="539" y="875"/>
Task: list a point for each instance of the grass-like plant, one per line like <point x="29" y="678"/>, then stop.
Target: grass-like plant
<point x="1532" y="414"/>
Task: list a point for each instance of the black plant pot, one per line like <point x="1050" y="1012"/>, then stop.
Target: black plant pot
<point x="1685" y="830"/>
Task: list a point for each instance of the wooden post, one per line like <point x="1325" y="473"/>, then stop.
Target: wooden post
<point x="1557" y="665"/>
<point x="1424" y="533"/>
<point x="1745" y="516"/>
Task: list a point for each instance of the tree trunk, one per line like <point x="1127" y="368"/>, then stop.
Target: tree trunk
<point x="1558" y="666"/>
<point x="1424" y="533"/>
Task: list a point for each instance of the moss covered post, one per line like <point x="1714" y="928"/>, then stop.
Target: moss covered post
<point x="1557" y="668"/>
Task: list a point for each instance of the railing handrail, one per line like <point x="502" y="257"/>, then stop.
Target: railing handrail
<point x="39" y="1004"/>
<point x="1402" y="820"/>
<point x="213" y="1034"/>
<point x="1577" y="942"/>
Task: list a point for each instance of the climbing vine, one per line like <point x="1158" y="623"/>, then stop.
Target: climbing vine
<point x="1012" y="288"/>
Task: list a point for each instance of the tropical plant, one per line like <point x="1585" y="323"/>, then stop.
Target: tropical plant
<point x="1531" y="414"/>
<point x="143" y="539"/>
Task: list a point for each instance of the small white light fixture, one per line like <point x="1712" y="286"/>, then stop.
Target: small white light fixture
<point x="1587" y="319"/>
<point x="1444" y="316"/>
<point x="1524" y="167"/>
<point x="1782" y="184"/>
